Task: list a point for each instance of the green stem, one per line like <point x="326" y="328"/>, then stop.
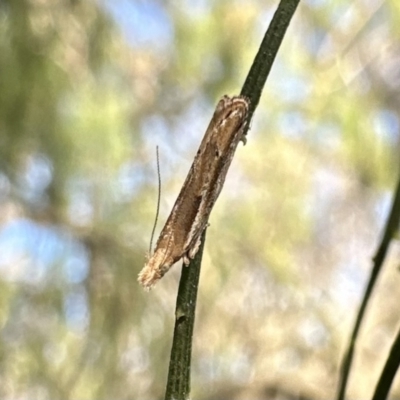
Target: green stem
<point x="389" y="371"/>
<point x="178" y="384"/>
<point x="259" y="71"/>
<point x="390" y="229"/>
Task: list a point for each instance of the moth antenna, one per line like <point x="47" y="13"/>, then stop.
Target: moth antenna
<point x="158" y="201"/>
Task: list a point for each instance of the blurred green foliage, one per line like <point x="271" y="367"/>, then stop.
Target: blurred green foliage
<point x="87" y="91"/>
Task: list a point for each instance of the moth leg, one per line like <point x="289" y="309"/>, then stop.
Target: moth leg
<point x="191" y="252"/>
<point x="186" y="259"/>
<point x="195" y="248"/>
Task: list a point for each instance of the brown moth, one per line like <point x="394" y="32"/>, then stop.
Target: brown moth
<point x="181" y="235"/>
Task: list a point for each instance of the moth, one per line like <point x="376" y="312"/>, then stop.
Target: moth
<point x="181" y="235"/>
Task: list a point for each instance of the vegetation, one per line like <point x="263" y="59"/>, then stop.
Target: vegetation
<point x="87" y="91"/>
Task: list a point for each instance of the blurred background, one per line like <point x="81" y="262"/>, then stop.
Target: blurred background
<point x="88" y="89"/>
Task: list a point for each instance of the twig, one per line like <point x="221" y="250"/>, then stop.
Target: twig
<point x="389" y="371"/>
<point x="390" y="229"/>
<point x="178" y="384"/>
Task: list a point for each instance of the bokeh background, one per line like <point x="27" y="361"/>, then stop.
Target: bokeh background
<point x="88" y="89"/>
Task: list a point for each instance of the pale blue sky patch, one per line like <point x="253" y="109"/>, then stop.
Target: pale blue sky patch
<point x="143" y="23"/>
<point x="31" y="252"/>
<point x="76" y="310"/>
<point x="386" y="125"/>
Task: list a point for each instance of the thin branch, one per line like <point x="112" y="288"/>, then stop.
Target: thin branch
<point x="178" y="384"/>
<point x="389" y="371"/>
<point x="390" y="229"/>
<point x="259" y="71"/>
